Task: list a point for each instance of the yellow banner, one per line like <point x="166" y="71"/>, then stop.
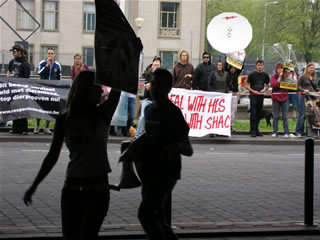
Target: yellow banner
<point x="288" y="85"/>
<point x="235" y="63"/>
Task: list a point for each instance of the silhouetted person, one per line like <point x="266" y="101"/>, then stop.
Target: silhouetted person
<point x="85" y="194"/>
<point x="167" y="138"/>
<point x="19" y="68"/>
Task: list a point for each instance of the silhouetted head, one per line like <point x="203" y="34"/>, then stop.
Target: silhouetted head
<point x="161" y="84"/>
<point x="84" y="94"/>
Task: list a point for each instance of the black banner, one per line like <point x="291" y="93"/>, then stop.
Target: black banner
<point x="32" y="98"/>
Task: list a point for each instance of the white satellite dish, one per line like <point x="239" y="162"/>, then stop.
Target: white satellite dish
<point x="229" y="32"/>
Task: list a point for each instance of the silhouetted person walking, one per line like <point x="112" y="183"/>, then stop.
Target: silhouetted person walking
<point x="85" y="195"/>
<point x="167" y="138"/>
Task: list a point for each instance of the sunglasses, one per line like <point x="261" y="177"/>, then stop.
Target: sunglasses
<point x="206" y="57"/>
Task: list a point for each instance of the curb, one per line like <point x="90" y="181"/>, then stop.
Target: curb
<point x="202" y="233"/>
<point x="234" y="139"/>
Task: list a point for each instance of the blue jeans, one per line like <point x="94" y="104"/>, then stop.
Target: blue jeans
<point x="145" y="103"/>
<point x="284" y="110"/>
<point x="302" y="116"/>
<point x="294" y="100"/>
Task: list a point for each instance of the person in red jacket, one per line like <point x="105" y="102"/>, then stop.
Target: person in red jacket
<point x="280" y="99"/>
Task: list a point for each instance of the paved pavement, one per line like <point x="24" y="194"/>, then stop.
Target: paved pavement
<point x="240" y="219"/>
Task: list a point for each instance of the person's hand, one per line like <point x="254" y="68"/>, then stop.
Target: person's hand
<point x="306" y="91"/>
<point x="188" y="76"/>
<point x="27" y="198"/>
<point x="255" y="92"/>
<point x="147" y="86"/>
<point x="49" y="61"/>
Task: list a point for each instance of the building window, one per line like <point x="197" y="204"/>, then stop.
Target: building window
<point x="169" y="59"/>
<point x="50" y="15"/>
<point x="44" y="50"/>
<point x="24" y="21"/>
<point x="30" y="54"/>
<point x="89" y="17"/>
<point x="88" y="56"/>
<point x="169" y="25"/>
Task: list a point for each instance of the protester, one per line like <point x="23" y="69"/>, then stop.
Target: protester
<point x="77" y="66"/>
<point x="233" y="88"/>
<point x="85" y="194"/>
<point x="306" y="84"/>
<point x="131" y="112"/>
<point x="202" y="73"/>
<point x="183" y="72"/>
<point x="257" y="84"/>
<point x="48" y="69"/>
<point x="156" y="63"/>
<point x="280" y="99"/>
<point x="167" y="138"/>
<point x="293" y="96"/>
<point x="218" y="79"/>
<point x="19" y="68"/>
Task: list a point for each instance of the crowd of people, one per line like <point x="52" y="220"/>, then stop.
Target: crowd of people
<point x="206" y="76"/>
<point x="223" y="77"/>
<point x="48" y="69"/>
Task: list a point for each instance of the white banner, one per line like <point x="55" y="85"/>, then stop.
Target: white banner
<point x="205" y="112"/>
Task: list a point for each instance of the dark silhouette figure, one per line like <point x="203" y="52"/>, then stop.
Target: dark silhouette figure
<point x="166" y="139"/>
<point x="19" y="68"/>
<point x="85" y="195"/>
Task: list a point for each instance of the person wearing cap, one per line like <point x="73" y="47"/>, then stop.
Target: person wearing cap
<point x="280" y="99"/>
<point x="48" y="69"/>
<point x="19" y="68"/>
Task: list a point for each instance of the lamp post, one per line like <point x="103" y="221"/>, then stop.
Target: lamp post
<point x="139" y="23"/>
<point x="264" y="26"/>
<point x="289" y="51"/>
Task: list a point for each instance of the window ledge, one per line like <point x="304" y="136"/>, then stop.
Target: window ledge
<point x="169" y="32"/>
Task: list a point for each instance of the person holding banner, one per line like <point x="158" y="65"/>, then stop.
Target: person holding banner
<point x="257" y="84"/>
<point x="306" y="84"/>
<point x="200" y="80"/>
<point x="183" y="72"/>
<point x="167" y="138"/>
<point x="85" y="194"/>
<point x="233" y="87"/>
<point x="217" y="79"/>
<point x="19" y="68"/>
<point x="280" y="99"/>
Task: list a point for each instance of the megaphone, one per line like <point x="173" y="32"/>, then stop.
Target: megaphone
<point x="129" y="177"/>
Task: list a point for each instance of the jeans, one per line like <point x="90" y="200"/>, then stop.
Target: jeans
<point x="256" y="106"/>
<point x="284" y="110"/>
<point x="302" y="116"/>
<point x="152" y="213"/>
<point x="294" y="100"/>
<point x="83" y="213"/>
<point x="145" y="103"/>
<point x="131" y="111"/>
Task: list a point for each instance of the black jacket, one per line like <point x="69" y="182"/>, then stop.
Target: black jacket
<point x="201" y="76"/>
<point x="19" y="67"/>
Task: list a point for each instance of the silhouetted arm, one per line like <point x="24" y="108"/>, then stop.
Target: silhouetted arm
<point x="48" y="162"/>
